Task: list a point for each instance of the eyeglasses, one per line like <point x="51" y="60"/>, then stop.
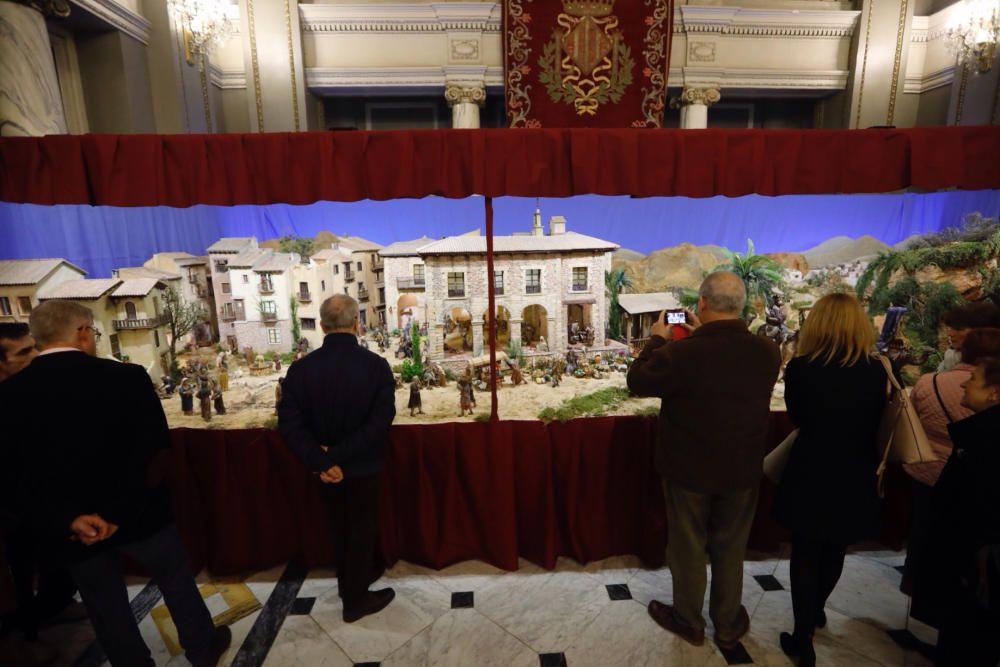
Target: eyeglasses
<point x="97" y="332"/>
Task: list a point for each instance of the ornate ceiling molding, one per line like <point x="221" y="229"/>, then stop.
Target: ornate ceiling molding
<point x="768" y="23"/>
<point x="923" y="83"/>
<point x="486" y="17"/>
<point x="119" y="17"/>
<point x="396" y="18"/>
<point x="226" y="78"/>
<point x="930" y="28"/>
<point x="761" y="79"/>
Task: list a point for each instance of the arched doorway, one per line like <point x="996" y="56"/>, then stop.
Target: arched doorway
<point x="130" y="311"/>
<point x="406" y="310"/>
<point x="534" y="325"/>
<point x="503" y="327"/>
<point x="578" y="324"/>
<point x="458" y="331"/>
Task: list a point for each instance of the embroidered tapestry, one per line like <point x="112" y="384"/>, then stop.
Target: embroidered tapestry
<point x="587" y="63"/>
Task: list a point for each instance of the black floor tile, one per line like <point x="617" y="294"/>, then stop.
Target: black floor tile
<point x="302" y="606"/>
<point x="552" y="660"/>
<point x="738" y="656"/>
<point x="769" y="582"/>
<point x="257" y="645"/>
<point x="462" y="600"/>
<point x="619" y="592"/>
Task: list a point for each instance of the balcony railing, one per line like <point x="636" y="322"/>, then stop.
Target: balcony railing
<point x="378" y="264"/>
<point x="411" y="283"/>
<point x="268" y="316"/>
<point x="266" y="288"/>
<point x="139" y="323"/>
<point x="193" y="278"/>
<point x="349" y="276"/>
<point x="228" y="316"/>
<point x="305" y="297"/>
<point x="362" y="295"/>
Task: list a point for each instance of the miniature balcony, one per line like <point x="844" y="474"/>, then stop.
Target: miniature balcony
<point x="266" y="288"/>
<point x="411" y="284"/>
<point x="139" y="323"/>
<point x="305" y="297"/>
<point x="269" y="317"/>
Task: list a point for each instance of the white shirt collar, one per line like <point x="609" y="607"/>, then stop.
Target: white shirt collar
<point x="53" y="350"/>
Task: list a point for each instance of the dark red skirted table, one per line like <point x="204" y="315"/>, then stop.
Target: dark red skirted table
<point x="586" y="489"/>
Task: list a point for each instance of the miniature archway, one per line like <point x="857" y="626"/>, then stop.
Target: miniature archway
<point x="503" y="326"/>
<point x="534" y="325"/>
<point x="130" y="313"/>
<point x="406" y="310"/>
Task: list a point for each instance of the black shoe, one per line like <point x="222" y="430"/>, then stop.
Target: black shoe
<point x="793" y="648"/>
<point x="222" y="637"/>
<point x="373" y="603"/>
<point x="821" y="619"/>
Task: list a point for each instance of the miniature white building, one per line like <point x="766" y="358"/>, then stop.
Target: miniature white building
<point x="364" y="278"/>
<point x="22" y="279"/>
<point x="261" y="292"/>
<point x="313" y="283"/>
<point x="129" y="316"/>
<point x="196" y="280"/>
<point x="544" y="283"/>
<point x="219" y="254"/>
<point x="405" y="284"/>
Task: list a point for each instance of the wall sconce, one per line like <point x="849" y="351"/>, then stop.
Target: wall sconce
<point x="204" y="24"/>
<point x="973" y="33"/>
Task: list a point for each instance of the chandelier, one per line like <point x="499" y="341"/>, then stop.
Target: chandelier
<point x="204" y="24"/>
<point x="973" y="33"/>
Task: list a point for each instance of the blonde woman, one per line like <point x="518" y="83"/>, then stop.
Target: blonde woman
<point x="835" y="393"/>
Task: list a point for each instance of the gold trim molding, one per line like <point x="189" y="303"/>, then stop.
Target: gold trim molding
<point x="864" y="63"/>
<point x="291" y="65"/>
<point x="255" y="66"/>
<point x="900" y="31"/>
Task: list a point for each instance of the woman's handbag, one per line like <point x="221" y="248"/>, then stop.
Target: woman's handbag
<point x="777" y="460"/>
<point x="901" y="437"/>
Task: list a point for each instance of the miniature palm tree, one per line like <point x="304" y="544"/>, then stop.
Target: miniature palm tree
<point x="760" y="274"/>
<point x="615" y="282"/>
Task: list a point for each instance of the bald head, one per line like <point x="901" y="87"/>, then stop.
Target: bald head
<point x="722" y="294"/>
<point x="338" y="314"/>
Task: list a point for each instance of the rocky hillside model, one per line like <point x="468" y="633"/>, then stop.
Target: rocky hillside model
<point x="843" y="249"/>
<point x="680" y="266"/>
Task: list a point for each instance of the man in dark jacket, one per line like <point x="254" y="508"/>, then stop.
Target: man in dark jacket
<point x="90" y="492"/>
<point x="337" y="405"/>
<point x="715" y="387"/>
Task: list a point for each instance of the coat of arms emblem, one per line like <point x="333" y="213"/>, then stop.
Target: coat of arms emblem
<point x="587" y="62"/>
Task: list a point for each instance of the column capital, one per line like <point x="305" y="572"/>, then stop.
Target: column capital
<point x="704" y="96"/>
<point x="470" y="93"/>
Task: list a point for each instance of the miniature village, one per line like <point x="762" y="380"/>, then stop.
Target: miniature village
<point x="216" y="333"/>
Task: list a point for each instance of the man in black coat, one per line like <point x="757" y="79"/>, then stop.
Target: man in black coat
<point x="716" y="388"/>
<point x="84" y="441"/>
<point x="337" y="405"/>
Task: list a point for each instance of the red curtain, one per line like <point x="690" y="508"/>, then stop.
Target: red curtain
<point x="300" y="168"/>
<point x="586" y="489"/>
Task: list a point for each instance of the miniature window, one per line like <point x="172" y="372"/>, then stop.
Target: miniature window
<point x="533" y="281"/>
<point x="498" y="282"/>
<point x="580" y="279"/>
<point x="4" y="305"/>
<point x="156" y="338"/>
<point x="359" y="266"/>
<point x="456" y="285"/>
<point x="322" y="285"/>
<point x="418" y="273"/>
<point x="336" y="269"/>
<point x="24" y="303"/>
<point x="308" y="324"/>
<point x="274" y="336"/>
<point x="225" y="288"/>
<point x="268" y="307"/>
<point x="246" y="279"/>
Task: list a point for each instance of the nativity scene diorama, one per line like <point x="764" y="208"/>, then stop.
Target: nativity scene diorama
<point x="216" y="332"/>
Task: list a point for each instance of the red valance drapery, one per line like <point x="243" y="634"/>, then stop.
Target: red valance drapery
<point x="300" y="168"/>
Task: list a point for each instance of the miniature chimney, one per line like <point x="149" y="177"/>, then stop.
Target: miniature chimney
<point x="557" y="225"/>
<point x="536" y="225"/>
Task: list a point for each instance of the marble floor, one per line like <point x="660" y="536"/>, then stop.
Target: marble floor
<point x="472" y="614"/>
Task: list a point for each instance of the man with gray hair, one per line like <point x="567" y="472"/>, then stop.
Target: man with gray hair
<point x="337" y="405"/>
<point x="92" y="495"/>
<point x="715" y="387"/>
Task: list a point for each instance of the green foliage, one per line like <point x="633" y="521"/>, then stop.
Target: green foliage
<point x="760" y="274"/>
<point x="181" y="319"/>
<point x="410" y="370"/>
<point x="303" y="245"/>
<point x="395" y="332"/>
<point x="688" y="297"/>
<point x="615" y="282"/>
<point x="482" y="418"/>
<point x="271" y="422"/>
<point x="449" y="375"/>
<point x="596" y="404"/>
<point x="515" y="353"/>
<point x="991" y="283"/>
<point x="648" y="411"/>
<point x="415" y="350"/>
<point x="287" y="357"/>
<point x="293" y="306"/>
<point x="397" y="368"/>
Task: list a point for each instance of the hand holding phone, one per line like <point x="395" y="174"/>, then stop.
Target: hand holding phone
<point x="675" y="316"/>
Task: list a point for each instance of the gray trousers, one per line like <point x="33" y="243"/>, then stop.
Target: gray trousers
<point x="712" y="527"/>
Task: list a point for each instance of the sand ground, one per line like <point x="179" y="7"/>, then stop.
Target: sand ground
<point x="250" y="400"/>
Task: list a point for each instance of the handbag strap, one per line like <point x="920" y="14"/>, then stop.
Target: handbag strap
<point x="891" y="384"/>
<point x="937" y="392"/>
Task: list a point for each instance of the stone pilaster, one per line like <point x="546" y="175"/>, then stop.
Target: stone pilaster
<point x="435" y="336"/>
<point x="477" y="337"/>
<point x="30" y="101"/>
<point x="465" y="101"/>
<point x="515" y="330"/>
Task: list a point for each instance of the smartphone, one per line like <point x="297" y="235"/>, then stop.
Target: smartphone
<point x="676" y="317"/>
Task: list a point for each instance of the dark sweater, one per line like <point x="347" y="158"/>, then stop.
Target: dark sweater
<point x="716" y="388"/>
<point x="343" y="397"/>
<point x="82" y="437"/>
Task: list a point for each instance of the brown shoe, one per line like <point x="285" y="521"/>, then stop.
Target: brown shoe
<point x="222" y="637"/>
<point x="373" y="603"/>
<point x="729" y="641"/>
<point x="664" y="616"/>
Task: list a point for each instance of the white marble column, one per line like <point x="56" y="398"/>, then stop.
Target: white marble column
<point x="694" y="106"/>
<point x="465" y="101"/>
<point x="30" y="101"/>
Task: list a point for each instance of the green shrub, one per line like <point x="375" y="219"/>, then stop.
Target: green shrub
<point x="449" y="375"/>
<point x="648" y="411"/>
<point x="410" y="370"/>
<point x="596" y="404"/>
<point x="482" y="418"/>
